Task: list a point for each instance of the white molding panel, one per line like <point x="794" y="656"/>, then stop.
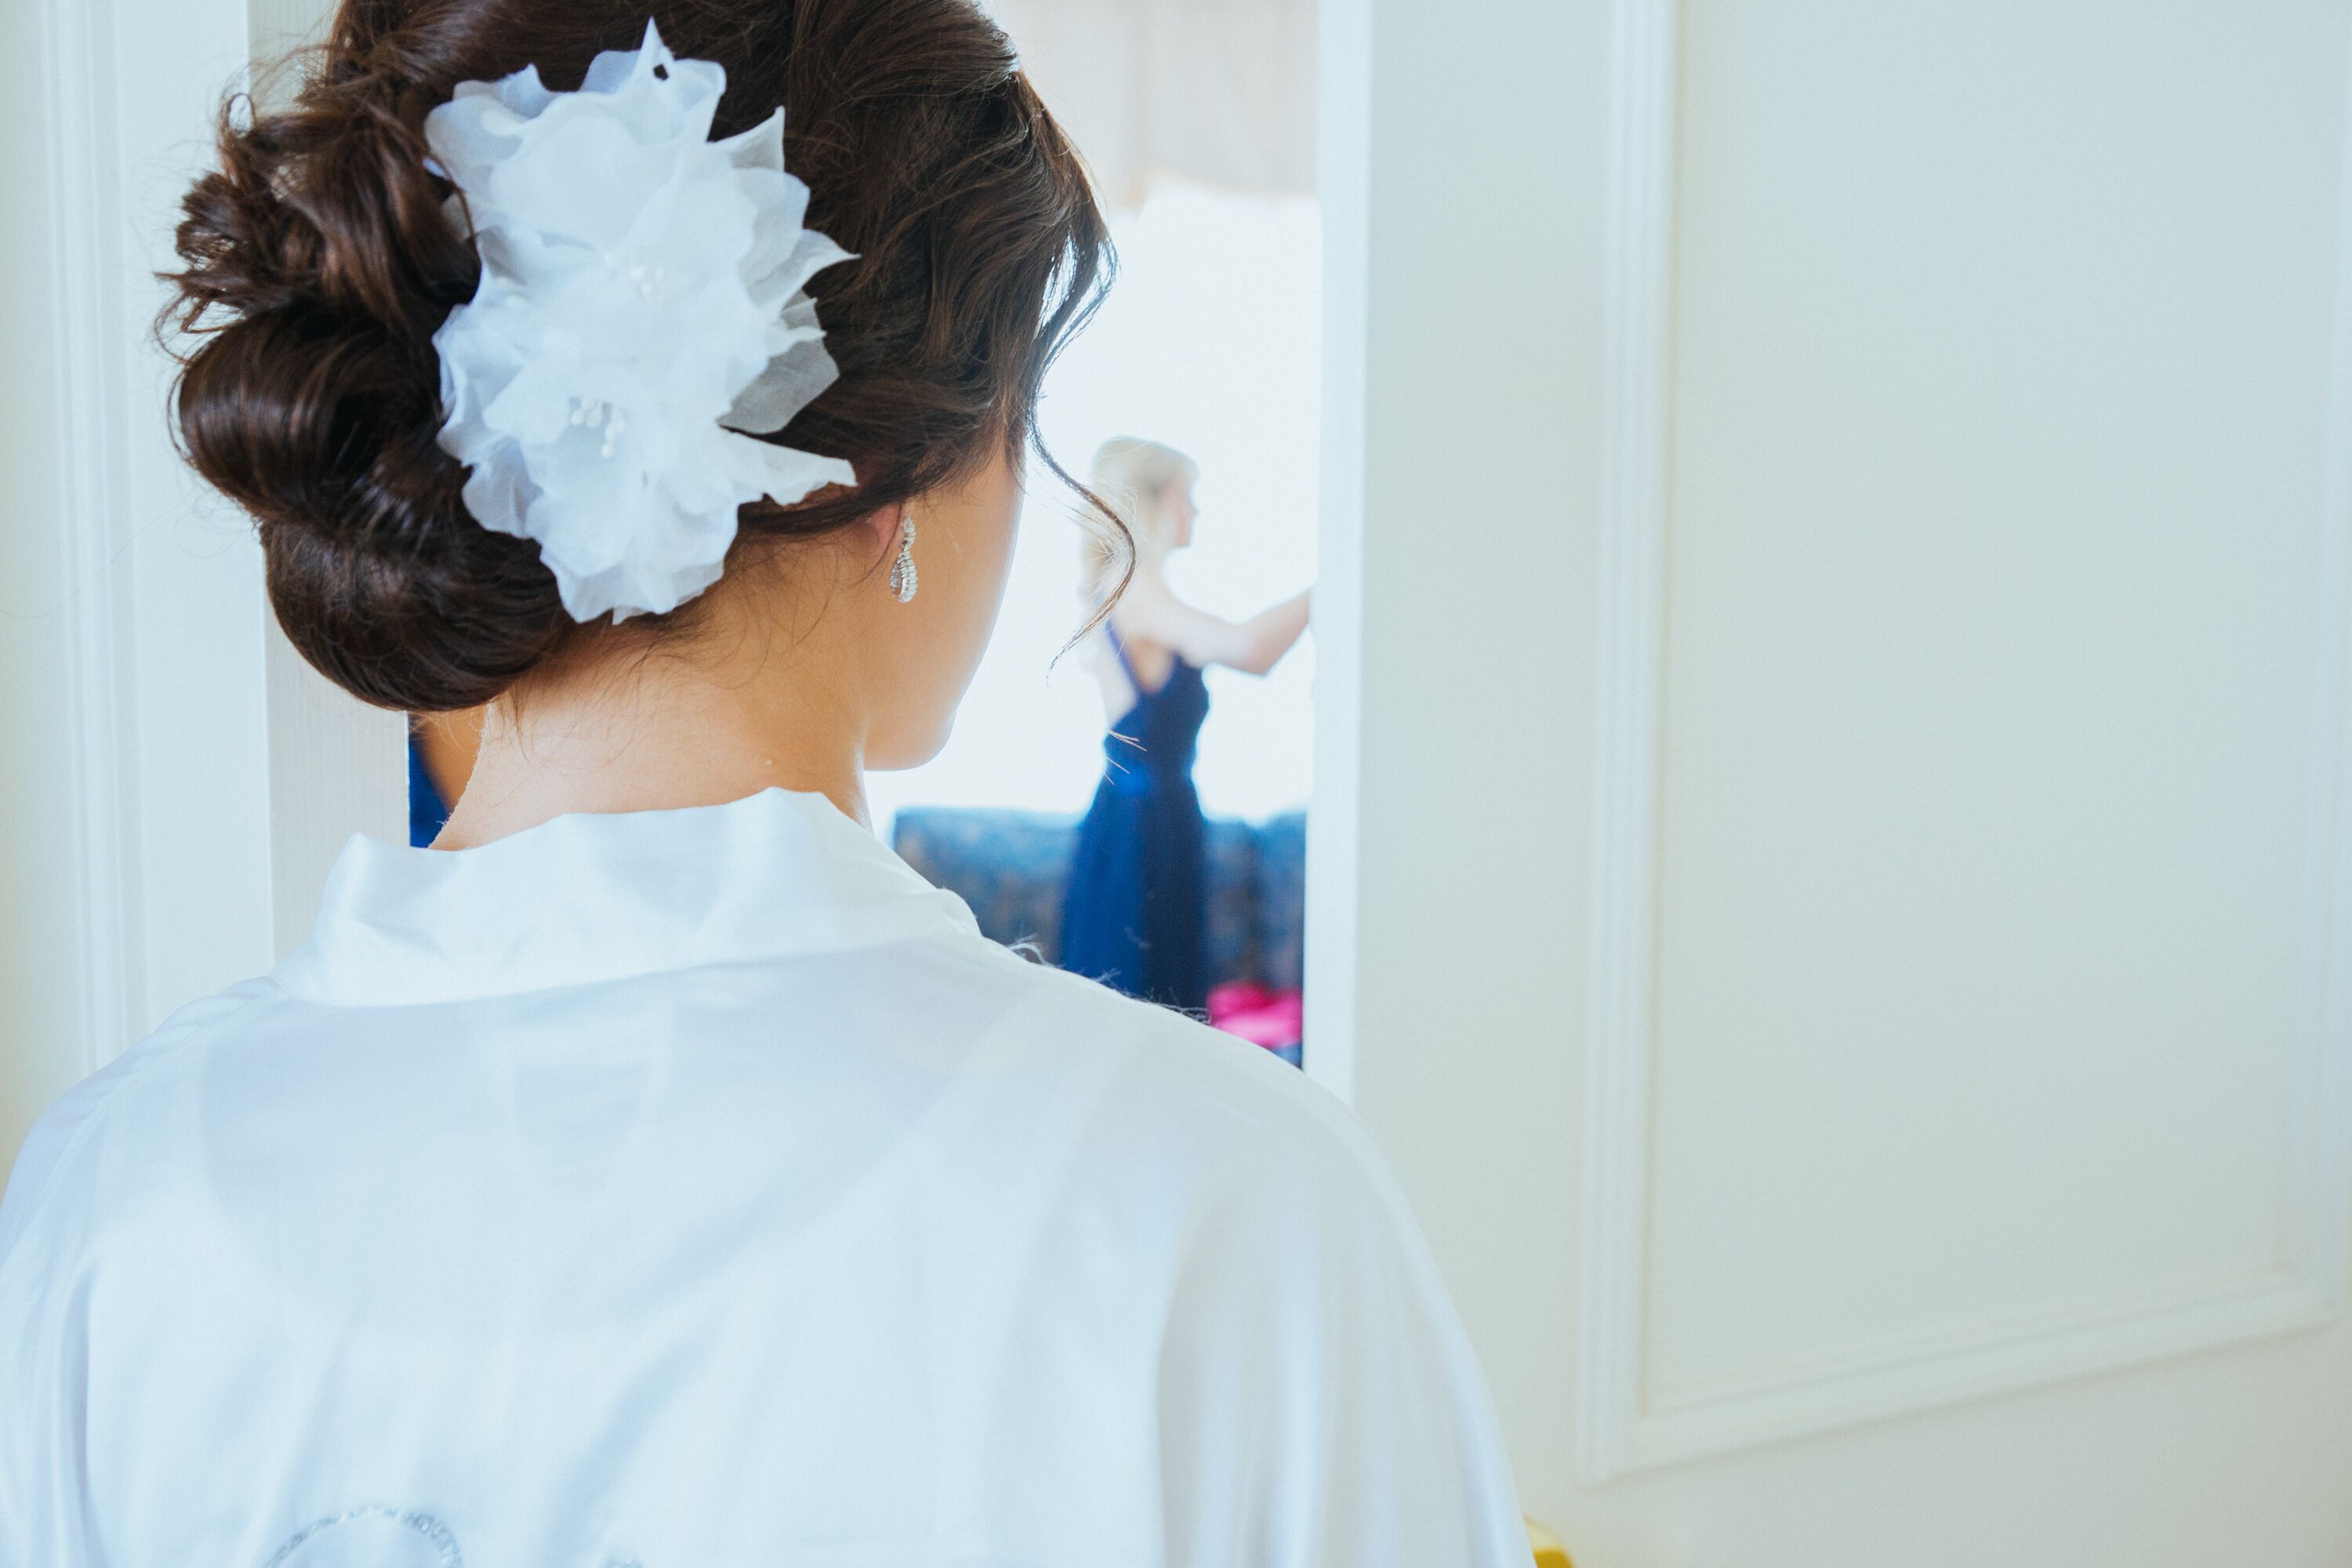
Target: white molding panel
<point x="187" y="810"/>
<point x="1629" y="680"/>
<point x="1622" y="1425"/>
<point x="87" y="219"/>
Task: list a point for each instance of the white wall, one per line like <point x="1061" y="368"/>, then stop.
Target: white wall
<point x="1450" y="814"/>
<point x="148" y="739"/>
<point x="41" y="1024"/>
<point x="1832" y="759"/>
<point x="136" y="766"/>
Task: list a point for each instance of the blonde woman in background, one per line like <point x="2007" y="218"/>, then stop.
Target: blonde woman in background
<point x="1137" y="908"/>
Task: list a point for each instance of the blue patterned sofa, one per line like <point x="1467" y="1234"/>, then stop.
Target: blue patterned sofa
<point x="1011" y="866"/>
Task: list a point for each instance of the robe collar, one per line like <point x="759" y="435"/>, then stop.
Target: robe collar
<point x="585" y="899"/>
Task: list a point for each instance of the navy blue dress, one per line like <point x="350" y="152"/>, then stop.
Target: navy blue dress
<point x="1137" y="913"/>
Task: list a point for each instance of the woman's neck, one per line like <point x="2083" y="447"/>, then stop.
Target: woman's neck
<point x="658" y="734"/>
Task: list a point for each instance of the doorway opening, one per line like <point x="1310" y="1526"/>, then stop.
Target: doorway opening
<point x="1198" y="123"/>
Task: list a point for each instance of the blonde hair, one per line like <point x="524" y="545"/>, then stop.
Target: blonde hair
<point x="1140" y="481"/>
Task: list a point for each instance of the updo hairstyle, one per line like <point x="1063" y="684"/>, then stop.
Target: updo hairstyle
<point x="1133" y="483"/>
<point x="319" y="260"/>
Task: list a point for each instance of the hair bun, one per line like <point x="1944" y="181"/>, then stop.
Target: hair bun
<point x="319" y="261"/>
<point x="318" y="264"/>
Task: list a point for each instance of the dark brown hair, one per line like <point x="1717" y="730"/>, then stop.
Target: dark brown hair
<point x="318" y="262"/>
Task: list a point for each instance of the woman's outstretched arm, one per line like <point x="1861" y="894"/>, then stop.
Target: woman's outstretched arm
<point x="1151" y="612"/>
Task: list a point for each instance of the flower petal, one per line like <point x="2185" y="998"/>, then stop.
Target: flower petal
<point x="640" y="303"/>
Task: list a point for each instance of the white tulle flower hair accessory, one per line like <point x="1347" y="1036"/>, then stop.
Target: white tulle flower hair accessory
<point x="642" y="305"/>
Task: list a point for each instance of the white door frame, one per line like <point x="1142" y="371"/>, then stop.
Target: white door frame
<point x="1343" y="188"/>
<point x="92" y="445"/>
<point x="215" y="774"/>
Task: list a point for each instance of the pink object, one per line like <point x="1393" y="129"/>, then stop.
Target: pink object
<point x="1266" y="1017"/>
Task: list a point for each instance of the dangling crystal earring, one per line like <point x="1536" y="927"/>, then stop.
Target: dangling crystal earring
<point x="902" y="571"/>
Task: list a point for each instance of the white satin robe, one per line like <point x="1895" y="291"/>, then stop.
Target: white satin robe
<point x="698" y="1189"/>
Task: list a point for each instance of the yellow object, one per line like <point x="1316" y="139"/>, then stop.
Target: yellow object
<point x="1550" y="1552"/>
